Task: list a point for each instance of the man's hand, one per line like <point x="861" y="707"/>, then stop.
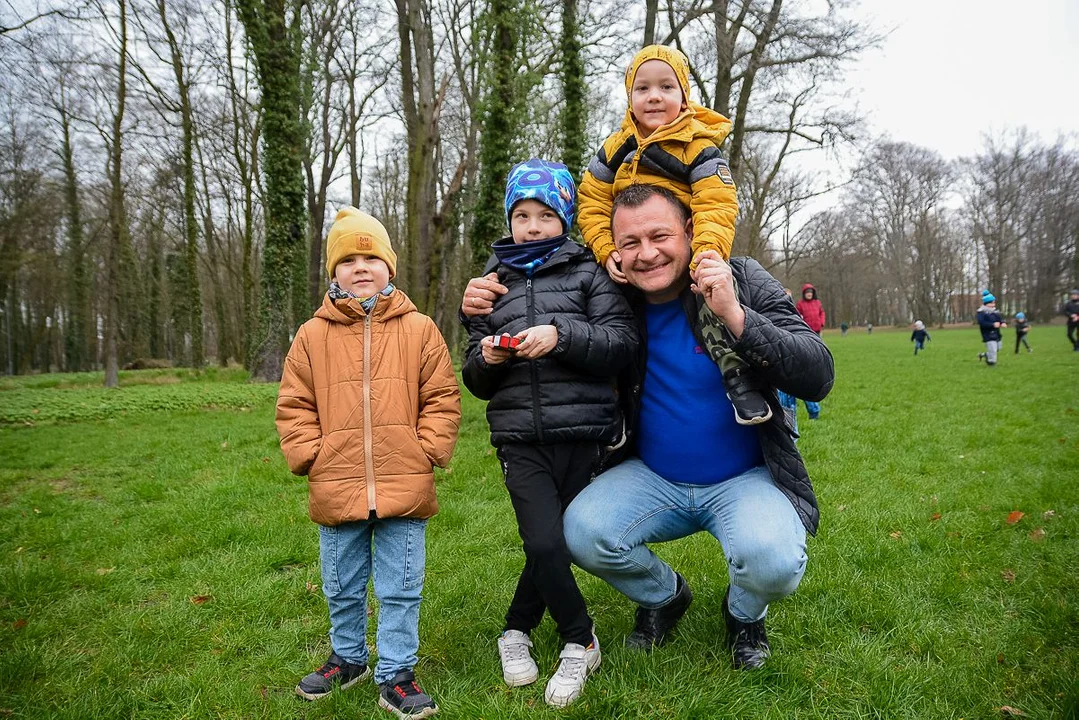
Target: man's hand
<point x="492" y="354"/>
<point x="480" y="295"/>
<point x="613" y="266"/>
<point x="713" y="280"/>
<point x="536" y="341"/>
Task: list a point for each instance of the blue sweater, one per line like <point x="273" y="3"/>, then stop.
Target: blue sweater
<point x="687" y="432"/>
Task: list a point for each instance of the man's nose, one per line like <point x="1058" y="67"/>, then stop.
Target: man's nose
<point x="647" y="251"/>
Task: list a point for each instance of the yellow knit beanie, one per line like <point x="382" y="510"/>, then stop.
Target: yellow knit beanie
<point x="669" y="55"/>
<point x="354" y="232"/>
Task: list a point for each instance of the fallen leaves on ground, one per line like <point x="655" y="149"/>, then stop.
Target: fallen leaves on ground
<point x="19" y="624"/>
<point x="895" y="534"/>
<point x="934" y="517"/>
<point x="201" y="599"/>
<point x="1008" y="575"/>
<point x="1048" y="514"/>
<point x="1038" y="534"/>
<point x="1013" y="712"/>
<point x="105" y="571"/>
<point x="1015" y="516"/>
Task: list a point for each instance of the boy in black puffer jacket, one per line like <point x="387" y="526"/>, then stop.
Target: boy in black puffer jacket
<point x="546" y="358"/>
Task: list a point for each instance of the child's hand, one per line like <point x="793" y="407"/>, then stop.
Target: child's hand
<point x="613" y="266"/>
<point x="537" y="341"/>
<point x="492" y="354"/>
<point x="714" y="281"/>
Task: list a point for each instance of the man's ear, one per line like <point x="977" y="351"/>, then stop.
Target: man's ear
<point x="689" y="229"/>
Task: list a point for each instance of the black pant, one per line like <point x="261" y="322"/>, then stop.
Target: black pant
<point x="542" y="481"/>
<point x="1072" y="328"/>
<point x="1021" y="339"/>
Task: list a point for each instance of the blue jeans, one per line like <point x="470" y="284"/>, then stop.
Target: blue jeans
<point x="608" y="525"/>
<point x="394" y="549"/>
<point x="790" y="405"/>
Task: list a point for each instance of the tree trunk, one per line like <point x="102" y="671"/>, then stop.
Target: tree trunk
<point x="117" y="215"/>
<point x="499" y="137"/>
<point x="275" y="46"/>
<point x="78" y="356"/>
<point x="421" y="124"/>
<point x="574" y="115"/>
<point x="192" y="295"/>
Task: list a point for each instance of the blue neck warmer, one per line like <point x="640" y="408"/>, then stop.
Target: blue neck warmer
<point x="528" y="256"/>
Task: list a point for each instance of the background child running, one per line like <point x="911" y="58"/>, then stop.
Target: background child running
<point x="990" y="323"/>
<point x="368" y="404"/>
<point x="553" y="406"/>
<point x="920" y="336"/>
<point x="1022" y="327"/>
<point x="668" y="140"/>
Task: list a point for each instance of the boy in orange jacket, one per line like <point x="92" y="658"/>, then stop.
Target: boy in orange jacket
<point x="368" y="405"/>
<point x="668" y="140"/>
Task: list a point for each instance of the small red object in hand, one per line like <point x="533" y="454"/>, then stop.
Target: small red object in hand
<point x="507" y="341"/>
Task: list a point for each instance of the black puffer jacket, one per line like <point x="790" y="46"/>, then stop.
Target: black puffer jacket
<point x="570" y="394"/>
<point x="786" y="354"/>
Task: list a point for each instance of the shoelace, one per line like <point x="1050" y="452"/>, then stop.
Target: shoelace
<point x="329" y="669"/>
<point x="407" y="689"/>
<point x="570" y="668"/>
<point x="515" y="651"/>
<point x="752" y="634"/>
<point x="645" y="620"/>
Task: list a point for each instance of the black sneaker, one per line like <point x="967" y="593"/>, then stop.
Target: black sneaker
<point x="335" y="673"/>
<point x="403" y="697"/>
<point x="743" y="390"/>
<point x="748" y="641"/>
<point x="654" y="625"/>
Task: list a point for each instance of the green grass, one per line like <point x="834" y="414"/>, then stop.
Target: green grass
<point x="160" y="564"/>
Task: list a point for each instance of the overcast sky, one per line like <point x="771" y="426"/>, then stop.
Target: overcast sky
<point x="953" y="69"/>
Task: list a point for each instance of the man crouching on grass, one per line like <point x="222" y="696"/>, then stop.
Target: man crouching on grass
<point x="687" y="466"/>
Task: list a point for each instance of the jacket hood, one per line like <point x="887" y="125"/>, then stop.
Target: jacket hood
<point x="347" y="312"/>
<point x="695" y="122"/>
<point x="808" y="286"/>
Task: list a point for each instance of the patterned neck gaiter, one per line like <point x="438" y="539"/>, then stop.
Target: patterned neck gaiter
<point x="339" y="293"/>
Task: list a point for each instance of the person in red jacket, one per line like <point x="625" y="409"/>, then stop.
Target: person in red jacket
<point x="812" y="312"/>
<point x="810" y="309"/>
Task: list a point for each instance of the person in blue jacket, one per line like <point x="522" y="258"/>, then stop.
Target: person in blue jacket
<point x="990" y="323"/>
<point x="1022" y="327"/>
<point x="920" y="336"/>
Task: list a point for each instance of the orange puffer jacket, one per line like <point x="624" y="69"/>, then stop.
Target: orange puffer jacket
<point x="367" y="405"/>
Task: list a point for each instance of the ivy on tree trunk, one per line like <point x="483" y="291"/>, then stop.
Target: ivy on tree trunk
<point x="274" y="39"/>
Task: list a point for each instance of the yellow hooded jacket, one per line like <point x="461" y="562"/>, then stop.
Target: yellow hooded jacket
<point x="683" y="157"/>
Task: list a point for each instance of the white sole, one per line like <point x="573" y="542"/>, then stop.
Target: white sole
<point x="565" y="703"/>
<point x="521" y="681"/>
<point x="426" y="712"/>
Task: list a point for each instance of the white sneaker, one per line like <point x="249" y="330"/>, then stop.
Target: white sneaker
<point x="577" y="663"/>
<point x="518" y="667"/>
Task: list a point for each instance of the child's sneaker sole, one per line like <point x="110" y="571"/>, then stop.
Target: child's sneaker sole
<point x="426" y="712"/>
<point x="310" y="697"/>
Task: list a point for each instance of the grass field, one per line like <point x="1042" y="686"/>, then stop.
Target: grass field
<point x="156" y="560"/>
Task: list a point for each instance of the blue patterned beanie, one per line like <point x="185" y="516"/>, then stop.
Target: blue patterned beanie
<point x="547" y="182"/>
